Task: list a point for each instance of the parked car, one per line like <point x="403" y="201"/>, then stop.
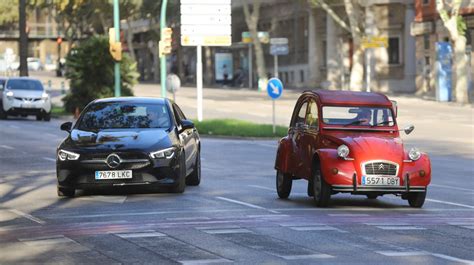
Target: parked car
<point x="128" y="142"/>
<point x="34" y="64"/>
<point x="22" y="96"/>
<point x="343" y="141"/>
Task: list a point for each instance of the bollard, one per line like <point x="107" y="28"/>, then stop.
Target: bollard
<point x="49" y="85"/>
<point x="63" y="90"/>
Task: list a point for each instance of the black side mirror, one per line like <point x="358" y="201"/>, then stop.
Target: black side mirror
<point x="187" y="124"/>
<point x="409" y="129"/>
<point x="395" y="107"/>
<point x="67" y="126"/>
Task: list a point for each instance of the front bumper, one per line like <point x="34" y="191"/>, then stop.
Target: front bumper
<point x="14" y="106"/>
<point x="145" y="171"/>
<point x="355" y="188"/>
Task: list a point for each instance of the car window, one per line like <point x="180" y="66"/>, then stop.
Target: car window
<point x="300" y="118"/>
<point x="312" y="116"/>
<point x="24" y="84"/>
<point x="124" y="115"/>
<point x="360" y="116"/>
<point x="180" y="113"/>
<point x="2" y="84"/>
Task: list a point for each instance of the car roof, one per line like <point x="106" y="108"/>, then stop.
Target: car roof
<point x="148" y="100"/>
<point x="355" y="98"/>
<point x="23" y="78"/>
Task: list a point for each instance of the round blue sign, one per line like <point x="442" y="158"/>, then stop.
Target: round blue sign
<point x="274" y="88"/>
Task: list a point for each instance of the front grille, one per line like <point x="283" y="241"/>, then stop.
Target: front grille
<point x="129" y="161"/>
<point x="28" y="99"/>
<point x="123" y="155"/>
<point x="381" y="168"/>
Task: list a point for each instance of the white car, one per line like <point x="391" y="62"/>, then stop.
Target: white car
<point x="34" y="64"/>
<point x="22" y="96"/>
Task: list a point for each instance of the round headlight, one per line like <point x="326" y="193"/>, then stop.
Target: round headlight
<point x="343" y="151"/>
<point x="414" y="154"/>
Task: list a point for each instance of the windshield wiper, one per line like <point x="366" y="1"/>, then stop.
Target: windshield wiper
<point x="381" y="123"/>
<point x="357" y="122"/>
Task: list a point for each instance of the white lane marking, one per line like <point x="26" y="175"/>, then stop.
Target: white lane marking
<point x="14" y="126"/>
<point x="400" y="227"/>
<point x="317" y="228"/>
<point x="446" y="257"/>
<point x="451" y="203"/>
<point x="402" y="253"/>
<point x="310" y="256"/>
<point x="204" y="261"/>
<point x="226" y="231"/>
<point x="109" y="199"/>
<point x="140" y="234"/>
<point x="57" y="239"/>
<point x="245" y="204"/>
<point x="52" y="135"/>
<point x="460" y="223"/>
<point x="267" y="216"/>
<point x="268" y="145"/>
<point x="28" y="216"/>
<point x="135" y="214"/>
<point x="451" y="187"/>
<point x="348" y="214"/>
<point x="7" y="147"/>
<point x="261" y="187"/>
<point x="386" y="224"/>
<point x="49" y="159"/>
<point x="468" y="227"/>
<point x="188" y="218"/>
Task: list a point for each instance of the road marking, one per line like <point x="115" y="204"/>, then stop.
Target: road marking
<point x="140" y="234"/>
<point x="14" y="126"/>
<point x="402" y="253"/>
<point x="188" y="218"/>
<point x="267" y="216"/>
<point x="226" y="231"/>
<point x="204" y="261"/>
<point x="316" y="228"/>
<point x="451" y="187"/>
<point x="348" y="214"/>
<point x="7" y="147"/>
<point x="109" y="199"/>
<point x="401" y="227"/>
<point x="468" y="227"/>
<point x="451" y="203"/>
<point x="310" y="256"/>
<point x="245" y="204"/>
<point x="136" y="213"/>
<point x="385" y="224"/>
<point x="261" y="187"/>
<point x="28" y="216"/>
<point x="57" y="239"/>
<point x="446" y="257"/>
<point x="49" y="159"/>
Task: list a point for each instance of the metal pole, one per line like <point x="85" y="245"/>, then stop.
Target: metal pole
<point x="117" y="38"/>
<point x="275" y="62"/>
<point x="250" y="65"/>
<point x="199" y="81"/>
<point x="273" y="110"/>
<point x="164" y="3"/>
<point x="367" y="69"/>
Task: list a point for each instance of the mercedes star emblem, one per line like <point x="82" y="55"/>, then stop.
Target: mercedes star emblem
<point x="113" y="161"/>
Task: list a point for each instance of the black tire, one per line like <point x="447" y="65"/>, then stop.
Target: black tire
<point x="63" y="192"/>
<point x="321" y="190"/>
<point x="371" y="196"/>
<point x="181" y="186"/>
<point x="195" y="178"/>
<point x="24" y="115"/>
<point x="3" y="115"/>
<point x="310" y="188"/>
<point x="47" y="116"/>
<point x="283" y="184"/>
<point x="39" y="117"/>
<point x="416" y="199"/>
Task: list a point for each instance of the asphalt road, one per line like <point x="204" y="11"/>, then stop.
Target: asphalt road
<point x="234" y="216"/>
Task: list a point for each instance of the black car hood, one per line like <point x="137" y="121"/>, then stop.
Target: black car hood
<point x="119" y="139"/>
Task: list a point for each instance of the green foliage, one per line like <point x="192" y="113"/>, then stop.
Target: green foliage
<point x="230" y="127"/>
<point x="8" y="12"/>
<point x="90" y="70"/>
<point x="461" y="24"/>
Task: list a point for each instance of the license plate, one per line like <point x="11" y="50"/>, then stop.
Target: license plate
<point x="113" y="174"/>
<point x="380" y="181"/>
<point x="26" y="105"/>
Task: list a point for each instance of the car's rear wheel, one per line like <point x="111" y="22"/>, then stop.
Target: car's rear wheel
<point x="372" y="196"/>
<point x="283" y="184"/>
<point x="416" y="199"/>
<point x="64" y="192"/>
<point x="181" y="185"/>
<point x="195" y="178"/>
<point x="3" y="115"/>
<point x="39" y="117"/>
<point x="321" y="190"/>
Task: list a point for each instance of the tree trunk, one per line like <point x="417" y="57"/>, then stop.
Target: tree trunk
<point x="461" y="70"/>
<point x="357" y="72"/>
<point x="23" y="45"/>
<point x="208" y="78"/>
<point x="130" y="41"/>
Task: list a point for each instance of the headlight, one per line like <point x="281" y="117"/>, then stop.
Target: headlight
<point x="343" y="151"/>
<point x="167" y="153"/>
<point x="9" y="94"/>
<point x="64" y="155"/>
<point x="414" y="154"/>
<point x="45" y="96"/>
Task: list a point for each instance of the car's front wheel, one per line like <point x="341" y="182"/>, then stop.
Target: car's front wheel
<point x="283" y="184"/>
<point x="47" y="116"/>
<point x="64" y="192"/>
<point x="3" y="114"/>
<point x="181" y="182"/>
<point x="321" y="190"/>
<point x="416" y="199"/>
<point x="195" y="178"/>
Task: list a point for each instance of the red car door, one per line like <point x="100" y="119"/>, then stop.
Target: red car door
<point x="309" y="140"/>
<point x="298" y="130"/>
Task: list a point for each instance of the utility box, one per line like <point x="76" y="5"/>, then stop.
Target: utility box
<point x="444" y="62"/>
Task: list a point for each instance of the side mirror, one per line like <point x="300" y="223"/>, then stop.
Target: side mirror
<point x="67" y="126"/>
<point x="187" y="124"/>
<point x="395" y="108"/>
<point x="409" y="129"/>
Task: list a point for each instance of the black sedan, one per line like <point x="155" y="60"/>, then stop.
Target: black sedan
<point x="127" y="142"/>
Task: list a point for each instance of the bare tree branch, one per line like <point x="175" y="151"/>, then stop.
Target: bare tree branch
<point x="329" y="11"/>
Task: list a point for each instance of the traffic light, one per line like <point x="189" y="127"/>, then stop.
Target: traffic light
<point x="165" y="42"/>
<point x="115" y="47"/>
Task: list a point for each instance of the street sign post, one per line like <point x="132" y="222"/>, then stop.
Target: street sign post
<point x="278" y="46"/>
<point x="367" y="43"/>
<point x="205" y="23"/>
<point x="274" y="90"/>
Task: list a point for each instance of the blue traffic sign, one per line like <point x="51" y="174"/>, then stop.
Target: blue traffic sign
<point x="274" y="88"/>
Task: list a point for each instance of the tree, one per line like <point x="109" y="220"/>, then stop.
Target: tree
<point x="456" y="27"/>
<point x="355" y="15"/>
<point x="23" y="42"/>
<point x="251" y="18"/>
<point x="90" y="70"/>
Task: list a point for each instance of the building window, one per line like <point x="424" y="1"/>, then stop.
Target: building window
<point x="301" y="76"/>
<point x="292" y="77"/>
<point x="394" y="50"/>
<point x="426" y="2"/>
<point x="426" y="41"/>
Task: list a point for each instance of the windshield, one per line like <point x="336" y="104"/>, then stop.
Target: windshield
<point x="24" y="84"/>
<point x="362" y="116"/>
<point x="124" y="115"/>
